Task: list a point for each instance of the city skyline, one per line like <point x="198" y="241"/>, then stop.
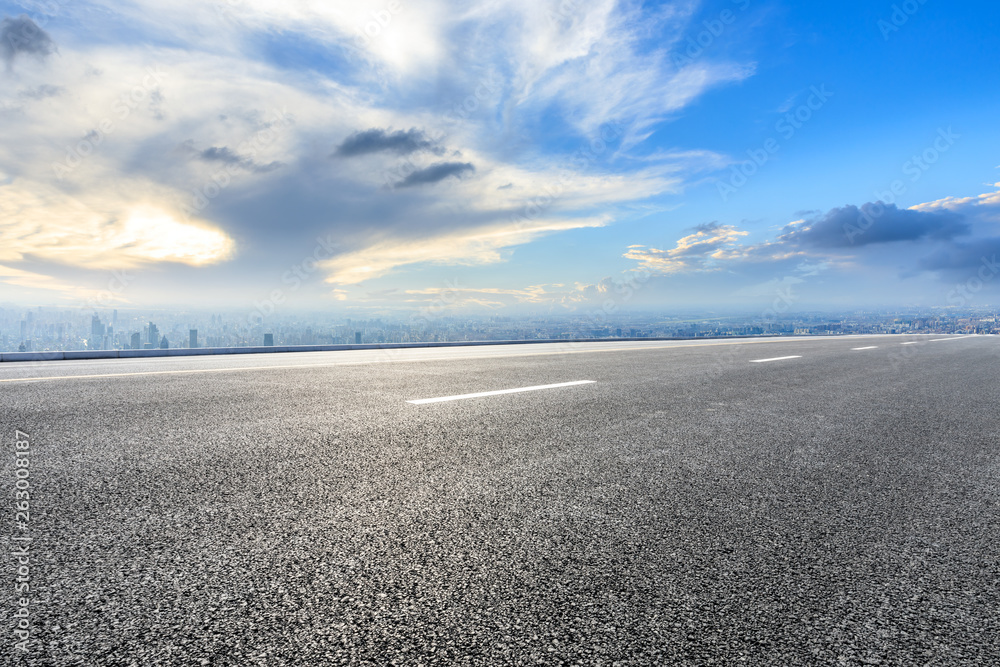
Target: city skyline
<point x="391" y="157"/>
<point x="54" y="329"/>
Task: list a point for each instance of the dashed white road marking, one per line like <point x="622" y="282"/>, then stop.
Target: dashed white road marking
<point x="870" y="347"/>
<point x="937" y="340"/>
<point x="479" y="394"/>
<point x="912" y="342"/>
<point x="761" y="361"/>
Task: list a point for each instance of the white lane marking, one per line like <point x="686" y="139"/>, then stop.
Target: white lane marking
<point x="912" y="342"/>
<point x="936" y="340"/>
<point x="460" y="397"/>
<point x="761" y="361"/>
<point x="870" y="347"/>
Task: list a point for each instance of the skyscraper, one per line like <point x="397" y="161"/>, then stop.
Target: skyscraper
<point x="96" y="341"/>
<point x="193" y="342"/>
<point x="153" y="335"/>
<point x="268" y="340"/>
<point x="136" y="341"/>
<point x="357" y="338"/>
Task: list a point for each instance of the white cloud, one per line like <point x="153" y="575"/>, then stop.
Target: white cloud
<point x="960" y="204"/>
<point x="104" y="165"/>
<point x="30" y="280"/>
<point x="101" y="232"/>
<point x="465" y="247"/>
<point x="698" y="251"/>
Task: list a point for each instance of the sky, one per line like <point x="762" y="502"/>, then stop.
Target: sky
<point x="499" y="156"/>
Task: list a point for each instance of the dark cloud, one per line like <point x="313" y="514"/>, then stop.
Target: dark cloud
<point x="851" y="227"/>
<point x="707" y="227"/>
<point x="436" y="172"/>
<point x="966" y="258"/>
<point x="220" y="154"/>
<point x="225" y="155"/>
<point x="41" y="92"/>
<point x="21" y="35"/>
<point x="264" y="168"/>
<point x="376" y="140"/>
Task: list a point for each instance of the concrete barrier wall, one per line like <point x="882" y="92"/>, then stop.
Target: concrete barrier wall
<point x="190" y="352"/>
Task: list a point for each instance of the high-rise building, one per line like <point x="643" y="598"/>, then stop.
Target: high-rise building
<point x="268" y="340"/>
<point x="164" y="343"/>
<point x="153" y="335"/>
<point x="96" y="341"/>
<point x="136" y="341"/>
<point x="357" y="338"/>
<point x="193" y="340"/>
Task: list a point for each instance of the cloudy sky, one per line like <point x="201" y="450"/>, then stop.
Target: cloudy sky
<point x="499" y="155"/>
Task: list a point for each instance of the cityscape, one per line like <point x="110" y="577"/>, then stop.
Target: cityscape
<point x="64" y="329"/>
<point x="421" y="332"/>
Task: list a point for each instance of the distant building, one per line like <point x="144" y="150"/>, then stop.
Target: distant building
<point x="357" y="338"/>
<point x="164" y="343"/>
<point x="153" y="335"/>
<point x="97" y="331"/>
<point x="136" y="341"/>
<point x="193" y="340"/>
<point x="268" y="340"/>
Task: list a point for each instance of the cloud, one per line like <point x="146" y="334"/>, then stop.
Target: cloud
<point x="926" y="246"/>
<point x="463" y="248"/>
<point x="21" y="35"/>
<point x="517" y="94"/>
<point x="968" y="205"/>
<point x="965" y="258"/>
<point x="699" y="251"/>
<point x="69" y="290"/>
<point x="874" y="223"/>
<point x="41" y="92"/>
<point x="435" y="173"/>
<point x="217" y="154"/>
<point x="376" y="140"/>
<point x="103" y="233"/>
<point x="225" y="155"/>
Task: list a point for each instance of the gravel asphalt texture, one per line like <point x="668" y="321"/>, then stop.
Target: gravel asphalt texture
<point x="689" y="507"/>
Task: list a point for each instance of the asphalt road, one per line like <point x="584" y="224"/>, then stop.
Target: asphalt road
<point x="691" y="504"/>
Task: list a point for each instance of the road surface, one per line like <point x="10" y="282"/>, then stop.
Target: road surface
<point x="765" y="502"/>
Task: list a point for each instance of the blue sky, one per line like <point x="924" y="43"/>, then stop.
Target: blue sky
<point x="501" y="157"/>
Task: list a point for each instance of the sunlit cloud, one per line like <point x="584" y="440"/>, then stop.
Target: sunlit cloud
<point x="30" y="280"/>
<point x="377" y="122"/>
<point x="57" y="228"/>
<point x="466" y="248"/>
<point x="698" y="251"/>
